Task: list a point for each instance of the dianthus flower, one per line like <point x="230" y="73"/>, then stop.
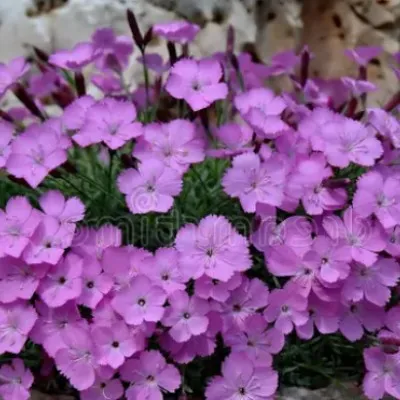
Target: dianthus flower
<point x="177" y="31"/>
<point x="10" y="73"/>
<point x="197" y="82"/>
<point x="81" y="55"/>
<point x="213" y="248"/>
<point x="16" y="381"/>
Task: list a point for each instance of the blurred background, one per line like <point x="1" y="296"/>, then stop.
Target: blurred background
<point x="263" y="28"/>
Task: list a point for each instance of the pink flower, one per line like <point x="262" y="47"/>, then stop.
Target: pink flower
<point x="358" y="87"/>
<point x="49" y="242"/>
<point x="77" y="360"/>
<point x="34" y="154"/>
<point x="154" y="62"/>
<point x="67" y="211"/>
<point x="16" y="322"/>
<point x="104" y="389"/>
<point x="362" y="237"/>
<point x="379" y="196"/>
<point x="150" y="374"/>
<point x="151" y="187"/>
<point x="286" y="309"/>
<point x="19" y="280"/>
<point x="357" y="316"/>
<point x="385" y="124"/>
<point x="233" y="138"/>
<point x="253" y="181"/>
<point x="164" y="271"/>
<point x="324" y="315"/>
<point x="110" y="121"/>
<point x="346" y="141"/>
<point x="334" y="258"/>
<point x="362" y="55"/>
<point x="11" y="73"/>
<point x="6" y="137"/>
<point x="95" y="283"/>
<point x="63" y="282"/>
<point x="177" y="31"/>
<point x="256" y="340"/>
<point x="114" y="344"/>
<point x="89" y="242"/>
<point x="81" y="55"/>
<point x="207" y="288"/>
<point x="15" y="381"/>
<point x="372" y="282"/>
<point x="383" y="374"/>
<point x="139" y="302"/>
<point x="74" y="115"/>
<point x="52" y="322"/>
<point x="251" y="296"/>
<point x="197" y="82"/>
<point x="176" y="143"/>
<point x="283" y="63"/>
<point x="241" y="380"/>
<point x="262" y="110"/>
<point x="17" y="225"/>
<point x="213" y="248"/>
<point x="186" y="316"/>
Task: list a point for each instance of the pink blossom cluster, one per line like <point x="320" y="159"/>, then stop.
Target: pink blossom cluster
<point x="315" y="171"/>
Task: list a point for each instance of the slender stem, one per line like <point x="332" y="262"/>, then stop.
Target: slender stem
<point x="146" y="80"/>
<point x="80" y="84"/>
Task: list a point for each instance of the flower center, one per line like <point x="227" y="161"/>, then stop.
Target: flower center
<point x="324" y="260"/>
<point x="242" y="391"/>
<point x="210" y="252"/>
<point x="90" y="285"/>
<point x="150" y="188"/>
<point x="186" y="315"/>
<point x="165" y="277"/>
<point x="150" y="378"/>
<point x="285" y="308"/>
<point x="62" y="280"/>
<point x="215" y="282"/>
<point x="141" y="302"/>
<point x="237" y="308"/>
<point x="115" y="344"/>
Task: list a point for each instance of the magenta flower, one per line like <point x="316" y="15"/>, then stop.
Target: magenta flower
<point x="19" y="280"/>
<point x="262" y="110"/>
<point x="385" y="124"/>
<point x="357" y="316"/>
<point x="88" y="241"/>
<point x="11" y="73"/>
<point x="74" y="115"/>
<point x="104" y="389"/>
<point x="176" y="143"/>
<point x="81" y="55"/>
<point x="17" y="225"/>
<point x="286" y="309"/>
<point x="256" y="340"/>
<point x="16" y="322"/>
<point x="15" y="380"/>
<point x="372" y="283"/>
<point x="6" y="136"/>
<point x="346" y="141"/>
<point x="334" y="259"/>
<point x="253" y="181"/>
<point x="139" y="302"/>
<point x="164" y="271"/>
<point x="379" y="196"/>
<point x="63" y="282"/>
<point x="95" y="283"/>
<point x="362" y="55"/>
<point x="151" y="187"/>
<point x="213" y="248"/>
<point x="52" y="322"/>
<point x="251" y="296"/>
<point x="114" y="344"/>
<point x="49" y="242"/>
<point x="186" y="316"/>
<point x="150" y="374"/>
<point x="233" y="138"/>
<point x="177" y="31"/>
<point x="197" y="82"/>
<point x="67" y="211"/>
<point x="324" y="315"/>
<point x="77" y="361"/>
<point x="383" y="374"/>
<point x="110" y="121"/>
<point x="34" y="154"/>
<point x="361" y="236"/>
<point x="241" y="380"/>
<point x="207" y="288"/>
